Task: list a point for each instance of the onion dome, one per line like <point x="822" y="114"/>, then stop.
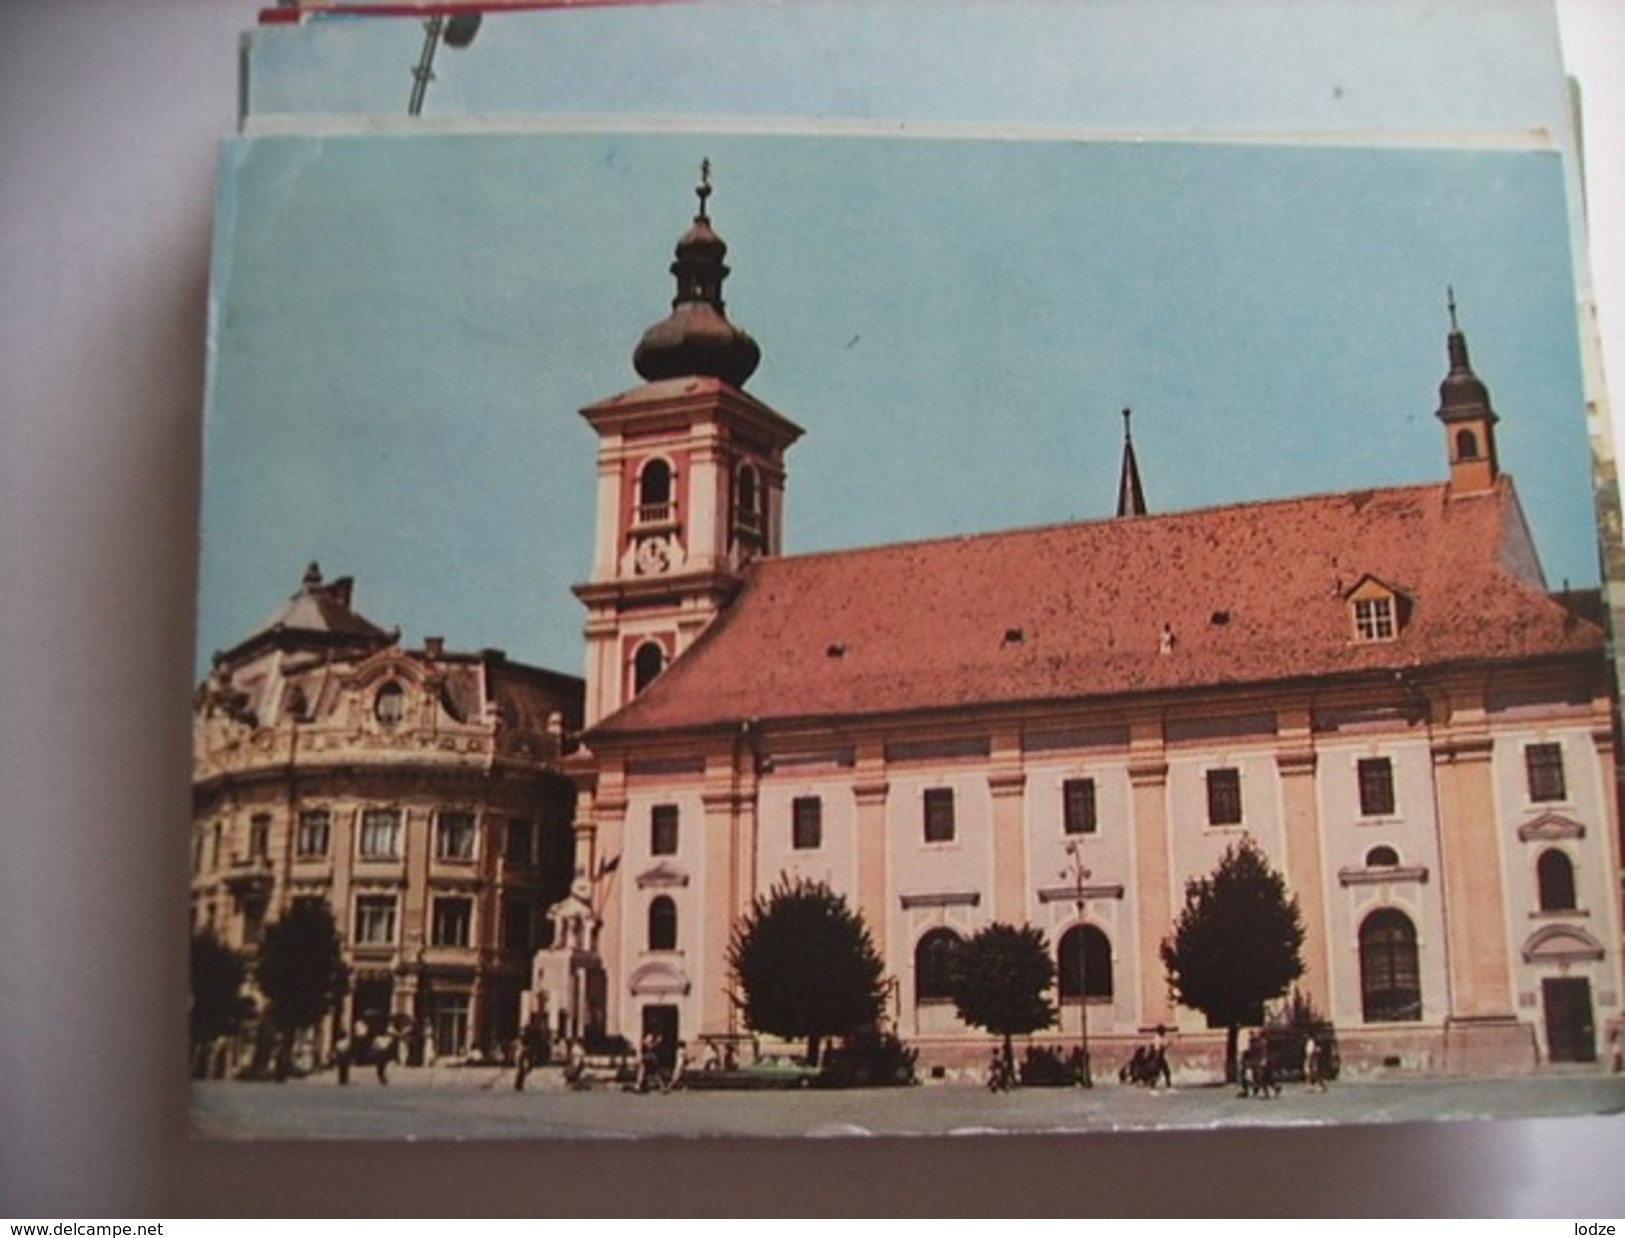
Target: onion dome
<point x="697" y="339"/>
<point x="1462" y="394"/>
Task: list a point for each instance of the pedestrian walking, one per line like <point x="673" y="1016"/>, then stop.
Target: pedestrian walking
<point x="648" y="1063"/>
<point x="1314" y="1064"/>
<point x="342" y="1053"/>
<point x="1159" y="1058"/>
<point x="383" y="1053"/>
<point x="678" y="1066"/>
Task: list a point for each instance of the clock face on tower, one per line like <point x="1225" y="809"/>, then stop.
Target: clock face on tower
<point x="653" y="556"/>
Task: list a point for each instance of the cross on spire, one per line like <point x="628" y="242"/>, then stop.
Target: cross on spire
<point x="703" y="189"/>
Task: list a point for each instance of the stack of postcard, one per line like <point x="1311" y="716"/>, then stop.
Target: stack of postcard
<point x="903" y="568"/>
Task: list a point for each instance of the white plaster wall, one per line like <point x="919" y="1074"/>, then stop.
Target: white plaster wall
<point x="1346" y="838"/>
<point x="1197" y="847"/>
<point x="1109" y="856"/>
<point x="692" y="909"/>
<point x="834" y="861"/>
<point x="1597" y="911"/>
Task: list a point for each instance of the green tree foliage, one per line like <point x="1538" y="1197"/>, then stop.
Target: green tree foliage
<point x="1237" y="944"/>
<point x="1001" y="982"/>
<point x="806" y="965"/>
<point x="219" y="1005"/>
<point x="300" y="971"/>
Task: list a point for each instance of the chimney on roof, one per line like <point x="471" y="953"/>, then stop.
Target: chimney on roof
<point x="1130" y="497"/>
<point x="434" y="646"/>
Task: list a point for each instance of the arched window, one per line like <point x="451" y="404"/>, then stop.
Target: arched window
<point x="654" y="492"/>
<point x="647" y="663"/>
<point x="933" y="970"/>
<point x="1555" y="874"/>
<point x="389" y="706"/>
<point x="663" y="924"/>
<point x="748" y="512"/>
<point x="1086" y="945"/>
<point x="1466" y="445"/>
<point x="1390" y="978"/>
<point x="1382" y="857"/>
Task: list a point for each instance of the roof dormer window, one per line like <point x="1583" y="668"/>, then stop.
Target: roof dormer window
<point x="1375" y="611"/>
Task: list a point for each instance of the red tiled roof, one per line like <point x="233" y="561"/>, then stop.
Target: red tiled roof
<point x="1253" y="593"/>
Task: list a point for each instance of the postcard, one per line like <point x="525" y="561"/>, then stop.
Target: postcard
<point x="850" y="626"/>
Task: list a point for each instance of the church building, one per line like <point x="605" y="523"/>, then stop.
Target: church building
<point x="1062" y="726"/>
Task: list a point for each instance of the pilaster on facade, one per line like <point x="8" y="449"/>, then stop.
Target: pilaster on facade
<point x="1007" y="784"/>
<point x="1153" y="863"/>
<point x="1478" y="958"/>
<point x="1296" y="760"/>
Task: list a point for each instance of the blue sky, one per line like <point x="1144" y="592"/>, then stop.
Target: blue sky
<point x="404" y="327"/>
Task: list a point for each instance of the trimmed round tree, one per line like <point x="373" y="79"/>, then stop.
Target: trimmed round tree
<point x="806" y="966"/>
<point x="219" y="1005"/>
<point x="1001" y="982"/>
<point x="1237" y="944"/>
<point x="301" y="971"/>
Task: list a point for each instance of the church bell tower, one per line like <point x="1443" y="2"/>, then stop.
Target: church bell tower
<point x="690" y="481"/>
<point x="1469" y="421"/>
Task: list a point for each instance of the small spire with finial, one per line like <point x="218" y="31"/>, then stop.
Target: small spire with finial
<point x="1450" y="300"/>
<point x="1130" y="496"/>
<point x="703" y="190"/>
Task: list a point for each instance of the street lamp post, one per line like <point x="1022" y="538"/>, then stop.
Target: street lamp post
<point x="458" y="31"/>
<point x="1079" y="874"/>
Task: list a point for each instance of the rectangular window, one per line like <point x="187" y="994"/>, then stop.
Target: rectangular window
<point x="375" y="920"/>
<point x="452" y="923"/>
<point x="1224" y="796"/>
<point x="1078" y="806"/>
<point x="520" y="843"/>
<point x="939" y="815"/>
<point x="1374" y="619"/>
<point x="1544" y="763"/>
<point x="663" y="829"/>
<point x="381" y="834"/>
<point x="807" y="823"/>
<point x="259" y="836"/>
<point x="1376" y="787"/>
<point x="518" y="923"/>
<point x="315" y="832"/>
<point x="454" y="836"/>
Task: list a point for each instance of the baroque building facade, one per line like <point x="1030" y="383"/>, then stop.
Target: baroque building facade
<point x="1063" y="726"/>
<point x="416" y="791"/>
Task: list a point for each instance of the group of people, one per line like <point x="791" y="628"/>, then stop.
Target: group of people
<point x="1258" y="1076"/>
<point x="657" y="1070"/>
<point x="1149" y="1065"/>
<point x="363" y="1047"/>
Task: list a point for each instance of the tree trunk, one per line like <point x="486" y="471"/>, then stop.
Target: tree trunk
<point x="1232" y="1035"/>
<point x="814" y="1044"/>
